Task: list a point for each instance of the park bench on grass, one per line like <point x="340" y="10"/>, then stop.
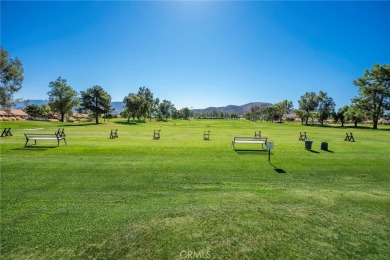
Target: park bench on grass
<point x="61" y="132"/>
<point x="349" y="137"/>
<point x="249" y="140"/>
<point x="36" y="137"/>
<point x="206" y="135"/>
<point x="302" y="136"/>
<point x="257" y="133"/>
<point x="6" y="132"/>
<point x="114" y="133"/>
<point x="156" y="134"/>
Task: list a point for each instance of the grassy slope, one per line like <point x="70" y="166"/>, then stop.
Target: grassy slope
<point x="134" y="197"/>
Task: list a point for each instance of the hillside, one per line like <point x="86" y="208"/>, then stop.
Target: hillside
<point x="233" y="109"/>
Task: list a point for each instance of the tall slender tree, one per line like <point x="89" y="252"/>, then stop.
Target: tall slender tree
<point x="341" y="115"/>
<point x="132" y="105"/>
<point x="96" y="100"/>
<point x="308" y="104"/>
<point x="62" y="98"/>
<point x="146" y="97"/>
<point x="374" y="92"/>
<point x="166" y="108"/>
<point x="282" y="108"/>
<point x="325" y="107"/>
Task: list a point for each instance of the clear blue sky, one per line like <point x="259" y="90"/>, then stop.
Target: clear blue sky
<point x="198" y="54"/>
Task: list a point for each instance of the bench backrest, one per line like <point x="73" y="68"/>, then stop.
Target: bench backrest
<point x="250" y="138"/>
<point x="32" y="136"/>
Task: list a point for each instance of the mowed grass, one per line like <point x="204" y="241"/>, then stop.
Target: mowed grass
<point x="135" y="197"/>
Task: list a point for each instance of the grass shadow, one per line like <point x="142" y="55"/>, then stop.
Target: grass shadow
<point x="34" y="148"/>
<point x="312" y="151"/>
<point x="347" y="127"/>
<point x="128" y="123"/>
<point x="79" y="124"/>
<point x="278" y="170"/>
<point x="242" y="151"/>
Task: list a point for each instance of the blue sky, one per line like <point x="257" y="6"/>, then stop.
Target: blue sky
<point x="198" y="54"/>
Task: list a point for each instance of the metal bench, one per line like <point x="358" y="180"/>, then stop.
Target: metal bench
<point x="206" y="135"/>
<point x="349" y="137"/>
<point x="6" y="132"/>
<point x="114" y="133"/>
<point x="302" y="136"/>
<point x="61" y="132"/>
<point x="156" y="134"/>
<point x="36" y="137"/>
<point x="249" y="140"/>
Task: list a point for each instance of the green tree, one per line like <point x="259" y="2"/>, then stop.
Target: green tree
<point x="341" y="115"/>
<point x="97" y="101"/>
<point x="255" y="113"/>
<point x="308" y="104"/>
<point x="325" y="107"/>
<point x="33" y="110"/>
<point x="185" y="113"/>
<point x="132" y="104"/>
<point x="11" y="78"/>
<point x="146" y="105"/>
<point x="165" y="108"/>
<point x="282" y="108"/>
<point x="374" y="92"/>
<point x="62" y="98"/>
<point x="269" y="113"/>
<point x="46" y="111"/>
<point x="355" y="114"/>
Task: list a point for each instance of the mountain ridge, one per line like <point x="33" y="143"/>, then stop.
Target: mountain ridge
<point x="233" y="109"/>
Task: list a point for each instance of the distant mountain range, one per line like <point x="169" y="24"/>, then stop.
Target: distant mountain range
<point x="232" y="109"/>
<point x="118" y="106"/>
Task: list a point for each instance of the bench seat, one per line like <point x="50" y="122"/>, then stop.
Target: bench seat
<point x="36" y="137"/>
<point x="249" y="140"/>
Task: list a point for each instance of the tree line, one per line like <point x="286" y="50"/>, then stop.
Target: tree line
<point x="372" y="101"/>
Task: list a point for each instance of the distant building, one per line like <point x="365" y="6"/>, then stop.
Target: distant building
<point x="291" y="118"/>
<point x="80" y="115"/>
<point x="13" y="113"/>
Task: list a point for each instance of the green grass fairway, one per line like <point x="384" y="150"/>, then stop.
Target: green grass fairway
<point x="182" y="197"/>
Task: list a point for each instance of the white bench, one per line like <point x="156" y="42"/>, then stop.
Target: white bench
<point x="249" y="140"/>
<point x="36" y="137"/>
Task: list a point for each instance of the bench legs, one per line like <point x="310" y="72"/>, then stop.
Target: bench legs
<point x="29" y="140"/>
<point x="35" y="142"/>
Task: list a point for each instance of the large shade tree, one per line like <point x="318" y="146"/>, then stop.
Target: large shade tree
<point x="140" y="104"/>
<point x="374" y="92"/>
<point x="11" y="78"/>
<point x="132" y="105"/>
<point x="308" y="104"/>
<point x="165" y="108"/>
<point x="282" y="108"/>
<point x="62" y="98"/>
<point x="326" y="107"/>
<point x="355" y="114"/>
<point x="341" y="115"/>
<point x="96" y="100"/>
<point x="146" y="97"/>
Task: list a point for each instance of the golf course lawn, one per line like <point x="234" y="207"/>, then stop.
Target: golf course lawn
<point x="179" y="197"/>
